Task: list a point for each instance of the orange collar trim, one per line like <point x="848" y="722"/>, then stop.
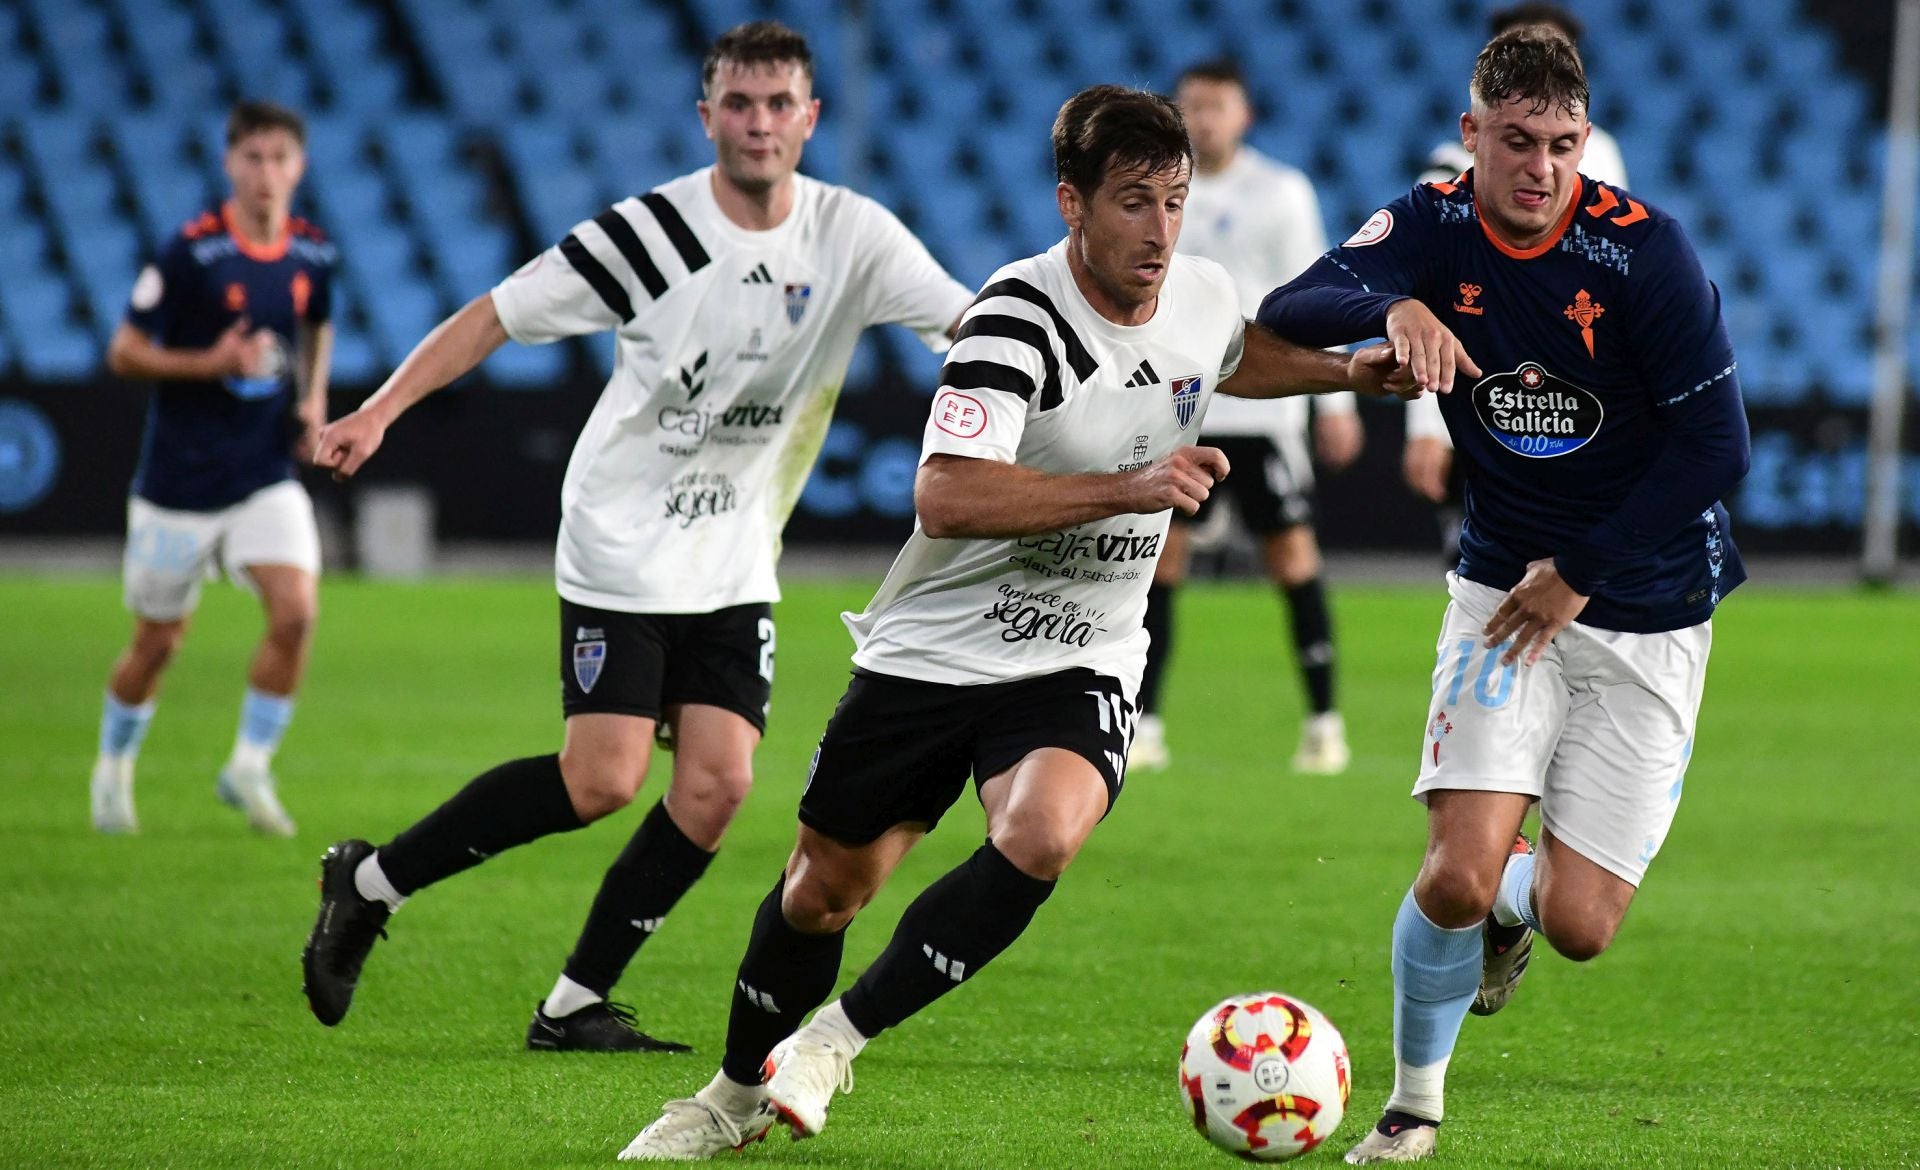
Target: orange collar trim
<point x="1541" y="248"/>
<point x="252" y="251"/>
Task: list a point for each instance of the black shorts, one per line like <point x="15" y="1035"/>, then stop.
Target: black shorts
<point x="642" y="663"/>
<point x="899" y="750"/>
<point x="1270" y="491"/>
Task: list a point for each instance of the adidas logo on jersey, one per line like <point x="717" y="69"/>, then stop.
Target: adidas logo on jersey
<point x="1144" y="375"/>
<point x="759" y="275"/>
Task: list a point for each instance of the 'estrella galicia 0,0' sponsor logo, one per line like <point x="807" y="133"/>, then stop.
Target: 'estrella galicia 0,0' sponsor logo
<point x="1530" y="412"/>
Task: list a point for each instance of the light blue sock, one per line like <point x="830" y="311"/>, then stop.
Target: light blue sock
<point x="1514" y="904"/>
<point x="1435" y="975"/>
<point x="123" y="726"/>
<point x="263" y="720"/>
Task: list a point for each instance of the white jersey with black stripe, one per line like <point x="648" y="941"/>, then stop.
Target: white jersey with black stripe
<point x="730" y="349"/>
<point x="1038" y="378"/>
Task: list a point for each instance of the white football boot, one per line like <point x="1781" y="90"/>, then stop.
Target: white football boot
<point x="1395" y="1140"/>
<point x="698" y="1127"/>
<point x="1323" y="746"/>
<point x="252" y="791"/>
<point x="808" y="1067"/>
<point x="112" y="792"/>
<point x="1149" y="751"/>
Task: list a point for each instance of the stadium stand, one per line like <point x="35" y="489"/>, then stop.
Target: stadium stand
<point x="451" y="138"/>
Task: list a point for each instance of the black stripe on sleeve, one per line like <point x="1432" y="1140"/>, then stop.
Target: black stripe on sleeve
<point x="1077" y="355"/>
<point x="596" y="274"/>
<point x="677" y="230"/>
<point x="628" y="241"/>
<point x="983" y="375"/>
<point x="1022" y="330"/>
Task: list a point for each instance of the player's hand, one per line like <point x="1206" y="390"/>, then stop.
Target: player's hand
<point x="1337" y="439"/>
<point x="1377" y="373"/>
<point x="1535" y="610"/>
<point x="348" y="442"/>
<point x="306" y="448"/>
<point x="1419" y="340"/>
<point x="238" y="352"/>
<point x="1425" y="463"/>
<point x="1180" y="480"/>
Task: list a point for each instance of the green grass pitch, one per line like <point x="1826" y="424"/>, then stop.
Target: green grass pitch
<point x="1759" y="1008"/>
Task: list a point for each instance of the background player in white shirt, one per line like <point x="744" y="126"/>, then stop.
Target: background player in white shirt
<point x="1006" y="642"/>
<point x="1261" y="221"/>
<point x="736" y="294"/>
<point x="1427" y="457"/>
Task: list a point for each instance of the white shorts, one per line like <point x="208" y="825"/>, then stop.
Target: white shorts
<point x="170" y="552"/>
<point x="1599" y="730"/>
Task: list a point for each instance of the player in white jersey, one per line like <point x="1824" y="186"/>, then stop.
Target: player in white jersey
<point x="1006" y="642"/>
<point x="736" y="295"/>
<point x="1427" y="457"/>
<point x="1261" y="221"/>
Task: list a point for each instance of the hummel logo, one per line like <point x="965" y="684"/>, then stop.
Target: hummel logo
<point x="759" y="275"/>
<point x="648" y="924"/>
<point x="1144" y="376"/>
<point x="953" y="969"/>
<point x="758" y="998"/>
<point x="693" y="377"/>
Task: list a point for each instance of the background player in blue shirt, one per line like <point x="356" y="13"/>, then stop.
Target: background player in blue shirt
<point x="1604" y="426"/>
<point x="230" y="323"/>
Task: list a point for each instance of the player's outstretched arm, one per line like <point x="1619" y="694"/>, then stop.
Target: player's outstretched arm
<point x="957" y="496"/>
<point x="455" y="346"/>
<point x="1271" y="367"/>
<point x="236" y="353"/>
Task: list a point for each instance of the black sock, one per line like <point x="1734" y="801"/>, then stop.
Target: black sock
<point x="1159" y="645"/>
<point x="511" y="805"/>
<point x="954" y="928"/>
<point x="784" y="975"/>
<point x="658" y="865"/>
<point x="1313" y="641"/>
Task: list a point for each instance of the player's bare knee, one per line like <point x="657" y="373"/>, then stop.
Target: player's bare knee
<point x="814" y="903"/>
<point x="1041" y="849"/>
<point x="1579" y="941"/>
<point x="1454" y="896"/>
<point x="155" y="643"/>
<point x="705" y="799"/>
<point x="290" y="627"/>
<point x="599" y="788"/>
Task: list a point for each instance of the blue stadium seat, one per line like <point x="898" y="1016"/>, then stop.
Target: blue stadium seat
<point x="19" y="80"/>
<point x="527" y="367"/>
<point x="188" y="86"/>
<point x="63" y="354"/>
<point x="556" y="200"/>
<point x="401" y="314"/>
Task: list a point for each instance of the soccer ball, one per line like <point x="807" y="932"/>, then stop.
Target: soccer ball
<point x="1265" y="1076"/>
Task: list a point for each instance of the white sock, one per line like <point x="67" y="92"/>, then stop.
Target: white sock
<point x="731" y="1097"/>
<point x="568" y="997"/>
<point x="833" y="1022"/>
<point x="1513" y="900"/>
<point x="249" y="758"/>
<point x="371" y="881"/>
<point x="1421" y="1090"/>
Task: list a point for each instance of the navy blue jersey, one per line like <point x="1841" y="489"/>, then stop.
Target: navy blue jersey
<point x="210" y="444"/>
<point x="1607" y="422"/>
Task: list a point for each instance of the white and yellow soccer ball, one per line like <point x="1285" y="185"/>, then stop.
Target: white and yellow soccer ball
<point x="1265" y="1076"/>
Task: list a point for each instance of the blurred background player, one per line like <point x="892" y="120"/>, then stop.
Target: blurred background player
<point x="1427" y="458"/>
<point x="1260" y="220"/>
<point x="230" y="323"/>
<point x="1573" y="652"/>
<point x="736" y="294"/>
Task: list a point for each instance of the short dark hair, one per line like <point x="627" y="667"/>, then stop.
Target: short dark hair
<point x="1532" y="63"/>
<point x="1548" y="14"/>
<point x="757" y="42"/>
<point x="1108" y="126"/>
<point x="251" y="117"/>
<point x="1221" y="69"/>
